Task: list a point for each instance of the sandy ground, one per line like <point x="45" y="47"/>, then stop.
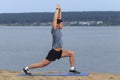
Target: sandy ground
<point x="12" y="75"/>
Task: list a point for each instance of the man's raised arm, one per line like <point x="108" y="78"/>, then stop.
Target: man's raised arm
<point x="57" y="15"/>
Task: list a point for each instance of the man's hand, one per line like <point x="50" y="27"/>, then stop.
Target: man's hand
<point x="58" y="7"/>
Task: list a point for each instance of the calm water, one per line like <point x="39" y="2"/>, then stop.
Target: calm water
<point x="97" y="48"/>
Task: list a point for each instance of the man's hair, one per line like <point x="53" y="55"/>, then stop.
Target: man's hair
<point x="59" y="21"/>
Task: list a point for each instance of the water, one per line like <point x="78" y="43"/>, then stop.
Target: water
<point x="97" y="48"/>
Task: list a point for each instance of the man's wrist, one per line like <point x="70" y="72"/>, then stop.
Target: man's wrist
<point x="57" y="8"/>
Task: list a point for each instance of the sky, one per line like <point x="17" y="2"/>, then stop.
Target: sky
<point x="21" y="6"/>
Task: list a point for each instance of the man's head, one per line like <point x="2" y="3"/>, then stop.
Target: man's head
<point x="59" y="23"/>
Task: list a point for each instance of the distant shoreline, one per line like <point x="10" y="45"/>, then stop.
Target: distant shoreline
<point x="88" y="18"/>
<point x="64" y="26"/>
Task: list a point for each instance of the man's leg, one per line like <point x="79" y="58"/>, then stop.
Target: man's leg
<point x="71" y="55"/>
<point x="36" y="65"/>
<point x="39" y="64"/>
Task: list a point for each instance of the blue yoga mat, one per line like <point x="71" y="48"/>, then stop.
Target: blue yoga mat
<point x="58" y="74"/>
<point x="68" y="74"/>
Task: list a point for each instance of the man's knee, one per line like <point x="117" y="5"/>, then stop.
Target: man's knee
<point x="45" y="63"/>
<point x="72" y="53"/>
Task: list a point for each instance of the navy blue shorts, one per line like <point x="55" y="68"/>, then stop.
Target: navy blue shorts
<point x="53" y="55"/>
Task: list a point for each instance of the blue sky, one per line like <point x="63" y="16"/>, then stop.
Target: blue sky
<point x="16" y="6"/>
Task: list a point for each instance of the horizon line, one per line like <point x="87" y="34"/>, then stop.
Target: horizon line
<point x="53" y="12"/>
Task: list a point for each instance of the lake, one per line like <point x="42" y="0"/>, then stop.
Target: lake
<point x="97" y="49"/>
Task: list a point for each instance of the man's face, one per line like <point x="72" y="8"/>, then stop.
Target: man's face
<point x="60" y="26"/>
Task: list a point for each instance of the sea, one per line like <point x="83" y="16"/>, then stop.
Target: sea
<point x="97" y="48"/>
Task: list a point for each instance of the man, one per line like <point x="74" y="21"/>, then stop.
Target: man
<point x="56" y="52"/>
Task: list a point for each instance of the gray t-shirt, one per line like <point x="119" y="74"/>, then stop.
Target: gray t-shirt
<point x="57" y="38"/>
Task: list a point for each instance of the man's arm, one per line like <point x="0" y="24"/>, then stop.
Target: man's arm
<point x="57" y="15"/>
<point x="60" y="14"/>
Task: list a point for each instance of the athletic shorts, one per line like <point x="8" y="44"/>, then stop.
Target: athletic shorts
<point x="53" y="55"/>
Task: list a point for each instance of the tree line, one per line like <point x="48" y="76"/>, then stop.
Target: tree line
<point x="109" y="18"/>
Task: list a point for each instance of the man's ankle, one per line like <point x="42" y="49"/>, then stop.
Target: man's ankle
<point x="72" y="68"/>
<point x="26" y="68"/>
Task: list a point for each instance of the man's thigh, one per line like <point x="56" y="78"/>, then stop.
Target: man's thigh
<point x="66" y="53"/>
